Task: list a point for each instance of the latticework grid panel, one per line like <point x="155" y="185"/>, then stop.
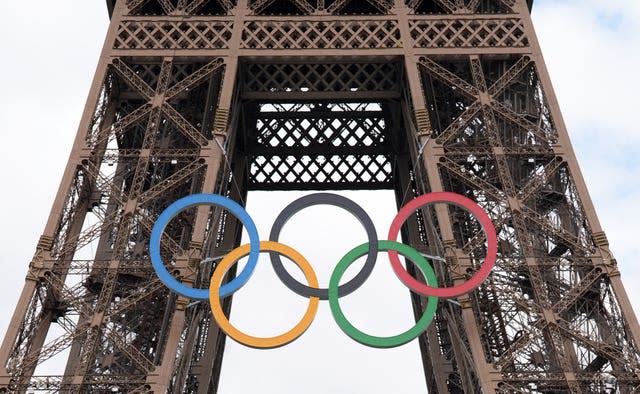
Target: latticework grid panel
<point x="454" y="33"/>
<point x="321" y="34"/>
<point x="321" y="132"/>
<point x="319" y="77"/>
<point x="320" y="172"/>
<point x="209" y="34"/>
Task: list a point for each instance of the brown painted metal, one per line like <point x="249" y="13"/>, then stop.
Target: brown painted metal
<point x="224" y="96"/>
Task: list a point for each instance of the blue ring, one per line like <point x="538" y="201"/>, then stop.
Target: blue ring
<point x="187" y="202"/>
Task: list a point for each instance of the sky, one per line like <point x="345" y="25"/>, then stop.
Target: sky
<point x="49" y="54"/>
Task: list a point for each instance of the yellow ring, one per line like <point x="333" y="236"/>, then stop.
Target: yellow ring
<point x="257" y="342"/>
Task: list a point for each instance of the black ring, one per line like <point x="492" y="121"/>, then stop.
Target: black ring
<point x="325" y="199"/>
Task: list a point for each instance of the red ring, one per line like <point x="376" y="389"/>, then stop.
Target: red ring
<point x="474" y="209"/>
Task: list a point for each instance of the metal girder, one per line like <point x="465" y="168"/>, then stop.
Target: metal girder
<point x="472" y="5"/>
<point x="506" y="388"/>
<point x="472" y="180"/>
<point x="91" y="340"/>
<point x="132" y="78"/>
<point x="448" y="77"/>
<point x="478" y="239"/>
<point x="456" y="127"/>
<point x="540" y="178"/>
<point x="560" y="235"/>
<point x="49" y="350"/>
<point x="93" y="335"/>
<point x="413" y="4"/>
<point x="120" y="126"/>
<point x="151" y="132"/>
<point x="81" y="267"/>
<point x="104" y="184"/>
<point x="194" y="79"/>
<point x="116" y="194"/>
<point x="167" y="6"/>
<point x="172" y="181"/>
<point x="258" y="6"/>
<point x="149" y="289"/>
<point x="448" y="5"/>
<point x="88" y="235"/>
<point x="133" y="5"/>
<point x="191" y="7"/>
<point x="509" y="76"/>
<point x="491" y="127"/>
<point x="54" y="383"/>
<point x="130" y="351"/>
<point x="184" y="126"/>
<point x="508" y="114"/>
<point x="304" y="6"/>
<point x="228" y="5"/>
<point x="336" y="6"/>
<point x="507" y="3"/>
<point x="577" y="291"/>
<point x="563" y="354"/>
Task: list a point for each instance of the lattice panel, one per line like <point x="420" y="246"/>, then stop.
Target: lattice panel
<point x="321" y="34"/>
<point x="455" y="33"/>
<point x="320" y="172"/>
<point x="321" y="77"/>
<point x="138" y="34"/>
<point x="324" y="132"/>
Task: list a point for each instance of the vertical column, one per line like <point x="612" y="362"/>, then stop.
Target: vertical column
<point x="488" y="377"/>
<point x="207" y="369"/>
<point x="436" y="367"/>
<point x="213" y="154"/>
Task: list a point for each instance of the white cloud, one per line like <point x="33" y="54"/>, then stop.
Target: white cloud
<point x="591" y="62"/>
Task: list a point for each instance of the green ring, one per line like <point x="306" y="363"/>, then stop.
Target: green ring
<point x="370" y="340"/>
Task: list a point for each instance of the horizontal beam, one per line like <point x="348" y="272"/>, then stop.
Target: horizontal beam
<point x="325" y="150"/>
<point x="286" y="55"/>
<point x="291" y="186"/>
<point x="336" y="95"/>
<point x="477" y="33"/>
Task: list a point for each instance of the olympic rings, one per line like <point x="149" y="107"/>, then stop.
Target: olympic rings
<point x="473" y="208"/>
<point x="262" y="343"/>
<point x="370" y="340"/>
<point x="188" y="202"/>
<point x="325" y="199"/>
<point x="217" y="291"/>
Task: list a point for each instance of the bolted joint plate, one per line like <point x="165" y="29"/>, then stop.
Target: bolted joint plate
<point x="600" y="239"/>
<point x="220" y="124"/>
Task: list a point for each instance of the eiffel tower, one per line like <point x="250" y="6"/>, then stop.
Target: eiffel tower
<point x="231" y="96"/>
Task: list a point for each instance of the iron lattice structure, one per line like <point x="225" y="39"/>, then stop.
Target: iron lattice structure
<point x="417" y="96"/>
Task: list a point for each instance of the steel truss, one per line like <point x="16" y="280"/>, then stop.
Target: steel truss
<point x="227" y="96"/>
